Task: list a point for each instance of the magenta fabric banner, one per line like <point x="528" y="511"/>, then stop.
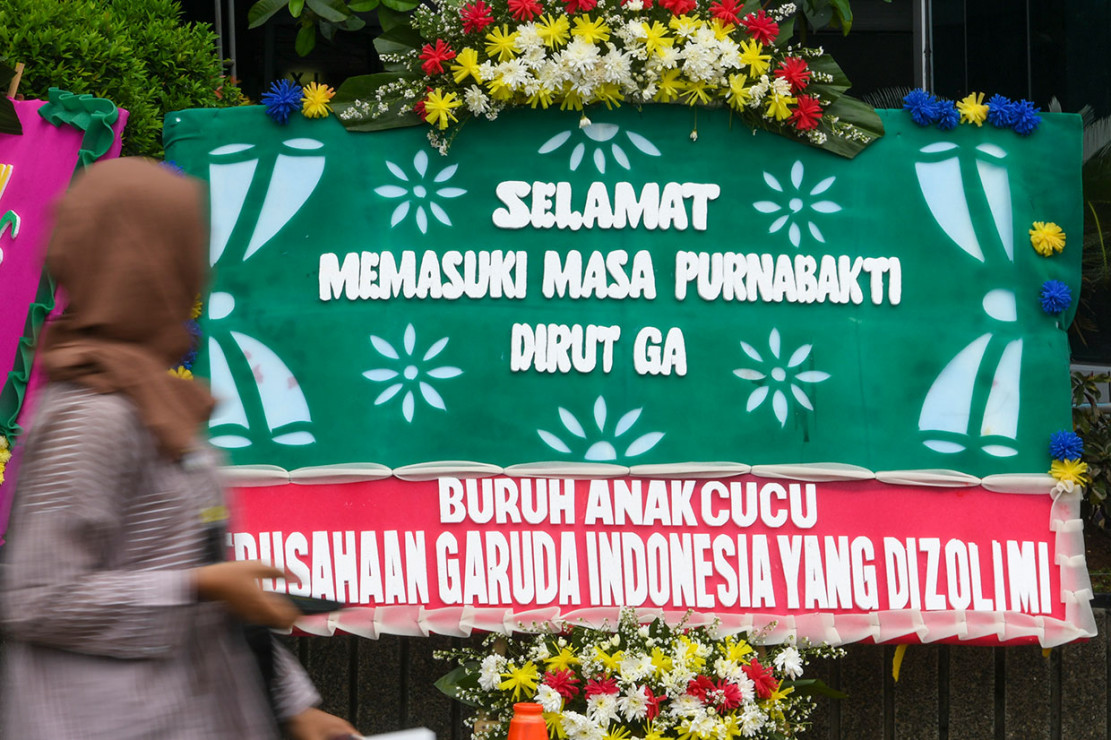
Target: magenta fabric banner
<point x="34" y="169"/>
<point x="832" y="560"/>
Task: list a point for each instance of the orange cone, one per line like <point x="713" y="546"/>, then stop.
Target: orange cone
<point x="527" y="723"/>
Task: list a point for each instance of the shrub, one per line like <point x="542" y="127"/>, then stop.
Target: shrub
<point x="136" y="53"/>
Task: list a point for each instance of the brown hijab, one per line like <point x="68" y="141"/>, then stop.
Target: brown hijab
<point x="128" y="248"/>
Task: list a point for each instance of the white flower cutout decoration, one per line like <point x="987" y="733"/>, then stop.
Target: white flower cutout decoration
<point x="419" y="192"/>
<point x="794" y="206"/>
<point x="410" y="372"/>
<point x="601" y="449"/>
<point x="775" y="376"/>
<point x="599" y="137"/>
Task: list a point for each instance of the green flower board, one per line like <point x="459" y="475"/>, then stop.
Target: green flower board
<point x="620" y="292"/>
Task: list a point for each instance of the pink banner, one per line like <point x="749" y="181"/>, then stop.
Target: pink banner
<point x="837" y="561"/>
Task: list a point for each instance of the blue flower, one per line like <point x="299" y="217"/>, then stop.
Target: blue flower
<point x="922" y="106"/>
<point x="283" y="98"/>
<point x="1066" y="446"/>
<point x="1001" y="112"/>
<point x="1026" y="118"/>
<point x="1056" y="297"/>
<point x="947" y="115"/>
<point x="191" y="356"/>
<point x="173" y="167"/>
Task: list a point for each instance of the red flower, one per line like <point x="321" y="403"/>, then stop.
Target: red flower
<point x="435" y="56"/>
<point x="563" y="682"/>
<point x="679" y="7"/>
<point x="574" y="6"/>
<point x="807" y="114"/>
<point x="729" y="695"/>
<point x="699" y="687"/>
<point x="653" y="704"/>
<point x="762" y="677"/>
<point x="604" y="685"/>
<point x="418" y="107"/>
<point x="524" y="10"/>
<point x="476" y="16"/>
<point x="726" y="11"/>
<point x="761" y="27"/>
<point x="795" y="71"/>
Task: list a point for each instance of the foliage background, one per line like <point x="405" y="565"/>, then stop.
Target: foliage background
<point x="137" y="53"/>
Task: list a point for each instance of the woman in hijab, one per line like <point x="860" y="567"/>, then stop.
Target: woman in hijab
<point x="120" y="621"/>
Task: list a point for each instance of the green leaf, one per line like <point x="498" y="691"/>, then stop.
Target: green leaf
<point x="333" y="11"/>
<point x="398" y="40"/>
<point x="295" y="7"/>
<point x="365" y="87"/>
<point x="306" y="39"/>
<point x="9" y="119"/>
<point x="391" y="19"/>
<point x="262" y="11"/>
<point x="327" y="30"/>
<point x="786" y="31"/>
<point x="844" y="14"/>
<point x="402" y="6"/>
<point x="465" y="677"/>
<point x="354" y="23"/>
<point x="812" y="686"/>
<point x="817" y="12"/>
<point x="363" y="6"/>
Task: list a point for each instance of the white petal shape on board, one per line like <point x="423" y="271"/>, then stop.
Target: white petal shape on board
<point x="446" y="173"/>
<point x="410" y="339"/>
<point x="577" y="155"/>
<point x="553" y="441"/>
<point x="773" y="343"/>
<point x="747" y="374"/>
<point x="571" y="423"/>
<point x="440" y="214"/>
<point x="643" y="144"/>
<point x="823" y="186"/>
<point x="600" y="160"/>
<point x="387" y="394"/>
<point x="796" y="174"/>
<point x="601" y="131"/>
<point x="384" y="348"/>
<point x="450" y="192"/>
<point x="391" y="191"/>
<point x="380" y="374"/>
<point x="620" y="157"/>
<point x="601" y="451"/>
<point x="794" y="235"/>
<point x="756" y="398"/>
<point x="941" y="146"/>
<point x="399" y="213"/>
<point x="812" y="376"/>
<point x="295" y="439"/>
<point x="554" y="143"/>
<point x="778" y="223"/>
<point x="751" y="351"/>
<point x="801" y="397"/>
<point x="779" y="406"/>
<point x="407" y="406"/>
<point x="766" y="206"/>
<point x="397" y="171"/>
<point x="769" y="178"/>
<point x="420" y="162"/>
<point x="436" y="348"/>
<point x="816" y="232"/>
<point x="444" y="372"/>
<point x="434" y="399"/>
<point x="644" y="443"/>
<point x="626" y="421"/>
<point x="825" y="206"/>
<point x="600" y="413"/>
<point x="422" y="220"/>
<point x="799" y="355"/>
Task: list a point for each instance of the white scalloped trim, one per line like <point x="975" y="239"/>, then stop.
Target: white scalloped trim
<point x="343" y="473"/>
<point x="814" y="472"/>
<point x="1020" y="483"/>
<point x="690" y="470"/>
<point x="567" y="470"/>
<point x="938" y="478"/>
<point x="253" y="475"/>
<point x="441" y="468"/>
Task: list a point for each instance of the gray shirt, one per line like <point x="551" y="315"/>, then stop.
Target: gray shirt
<point x="104" y="637"/>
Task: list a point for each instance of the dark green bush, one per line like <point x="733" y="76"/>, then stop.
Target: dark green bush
<point x="136" y="53"/>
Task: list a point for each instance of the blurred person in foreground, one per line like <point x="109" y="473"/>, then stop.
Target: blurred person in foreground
<point x="120" y="619"/>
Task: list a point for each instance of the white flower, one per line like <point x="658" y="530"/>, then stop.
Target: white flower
<point x="548" y="698"/>
<point x="789" y="662"/>
<point x="686" y="705"/>
<point x="752" y="719"/>
<point x="579" y="727"/>
<point x="539" y="652"/>
<point x="633" y="703"/>
<point x="602" y="708"/>
<point x="747" y="687"/>
<point x="730" y="670"/>
<point x="476" y="100"/>
<point x="489" y="677"/>
<point x="636" y="667"/>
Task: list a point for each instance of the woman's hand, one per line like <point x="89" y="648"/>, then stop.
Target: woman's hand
<point x="236" y="585"/>
<point x="314" y="724"/>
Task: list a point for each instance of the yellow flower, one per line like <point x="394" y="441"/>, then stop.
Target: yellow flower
<point x="612" y="663"/>
<point x="779" y="693"/>
<point x="655" y="37"/>
<point x="698" y="92"/>
<point x="661" y="661"/>
<point x="466" y="65"/>
<point x="617" y="732"/>
<point x="501" y="43"/>
<point x="198" y="307"/>
<point x="753" y="57"/>
<point x="777" y="106"/>
<point x="738" y="94"/>
<point x="608" y="93"/>
<point x="1047" y="238"/>
<point x="591" y="30"/>
<point x="721" y="29"/>
<point x="516" y="679"/>
<point x="652" y="733"/>
<point x="554" y="721"/>
<point x="542" y="97"/>
<point x="181" y="372"/>
<point x="572" y="100"/>
<point x="1070" y="470"/>
<point x="732" y="726"/>
<point x="314" y="100"/>
<point x="554" y="31"/>
<point x="438" y="107"/>
<point x="972" y="109"/>
<point x="498" y="89"/>
<point x="669" y="87"/>
<point x="683" y="25"/>
<point x="562" y="661"/>
<point x="737" y="650"/>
